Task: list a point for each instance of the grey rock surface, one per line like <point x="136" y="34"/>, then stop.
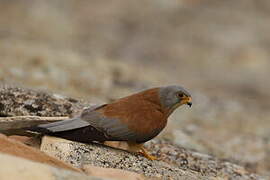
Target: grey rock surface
<point x="174" y="162"/>
<point x="79" y="155"/>
<point x="24" y="102"/>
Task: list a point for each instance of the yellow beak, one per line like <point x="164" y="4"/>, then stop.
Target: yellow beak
<point x="187" y="100"/>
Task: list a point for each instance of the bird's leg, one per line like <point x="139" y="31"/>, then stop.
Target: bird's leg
<point x="134" y="147"/>
<point x="145" y="153"/>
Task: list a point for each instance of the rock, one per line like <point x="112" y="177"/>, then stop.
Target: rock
<point x="111" y="173"/>
<point x="18" y="168"/>
<point x="25" y="102"/>
<point x="30" y="141"/>
<point x="204" y="164"/>
<point x="15" y="148"/>
<point x="174" y="162"/>
<point x="81" y="155"/>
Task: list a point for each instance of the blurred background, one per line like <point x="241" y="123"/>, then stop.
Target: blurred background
<point x="101" y="50"/>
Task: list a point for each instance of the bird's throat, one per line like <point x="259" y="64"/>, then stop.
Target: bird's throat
<point x="171" y="110"/>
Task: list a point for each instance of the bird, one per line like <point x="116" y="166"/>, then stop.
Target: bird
<point x="134" y="119"/>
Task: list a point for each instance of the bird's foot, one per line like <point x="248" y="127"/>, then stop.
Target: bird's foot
<point x="138" y="148"/>
<point x="145" y="153"/>
<point x="148" y="156"/>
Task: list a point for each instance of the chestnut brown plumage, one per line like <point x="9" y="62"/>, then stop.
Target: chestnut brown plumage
<point x="135" y="119"/>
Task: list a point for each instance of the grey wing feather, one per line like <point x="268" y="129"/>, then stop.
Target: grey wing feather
<point x="113" y="128"/>
<point x="65" y="125"/>
<point x="69" y="124"/>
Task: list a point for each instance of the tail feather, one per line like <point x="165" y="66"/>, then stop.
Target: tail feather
<point x="60" y="126"/>
<point x="38" y="130"/>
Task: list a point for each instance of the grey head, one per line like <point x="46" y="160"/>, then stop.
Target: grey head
<point x="172" y="97"/>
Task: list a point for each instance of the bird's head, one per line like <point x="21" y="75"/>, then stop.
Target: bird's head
<point x="171" y="97"/>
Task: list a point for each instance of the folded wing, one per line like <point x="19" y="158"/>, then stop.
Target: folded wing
<point x="91" y="126"/>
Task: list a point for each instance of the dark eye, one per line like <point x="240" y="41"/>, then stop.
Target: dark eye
<point x="181" y="95"/>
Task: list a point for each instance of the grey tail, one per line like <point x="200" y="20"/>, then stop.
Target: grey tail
<point x="74" y="129"/>
<point x="38" y="130"/>
<point x="19" y="132"/>
<point x="60" y="126"/>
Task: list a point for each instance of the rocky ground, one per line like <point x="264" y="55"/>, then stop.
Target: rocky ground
<point x="174" y="162"/>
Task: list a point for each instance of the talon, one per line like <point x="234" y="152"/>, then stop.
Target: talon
<point x="138" y="148"/>
<point x="147" y="155"/>
<point x="150" y="157"/>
